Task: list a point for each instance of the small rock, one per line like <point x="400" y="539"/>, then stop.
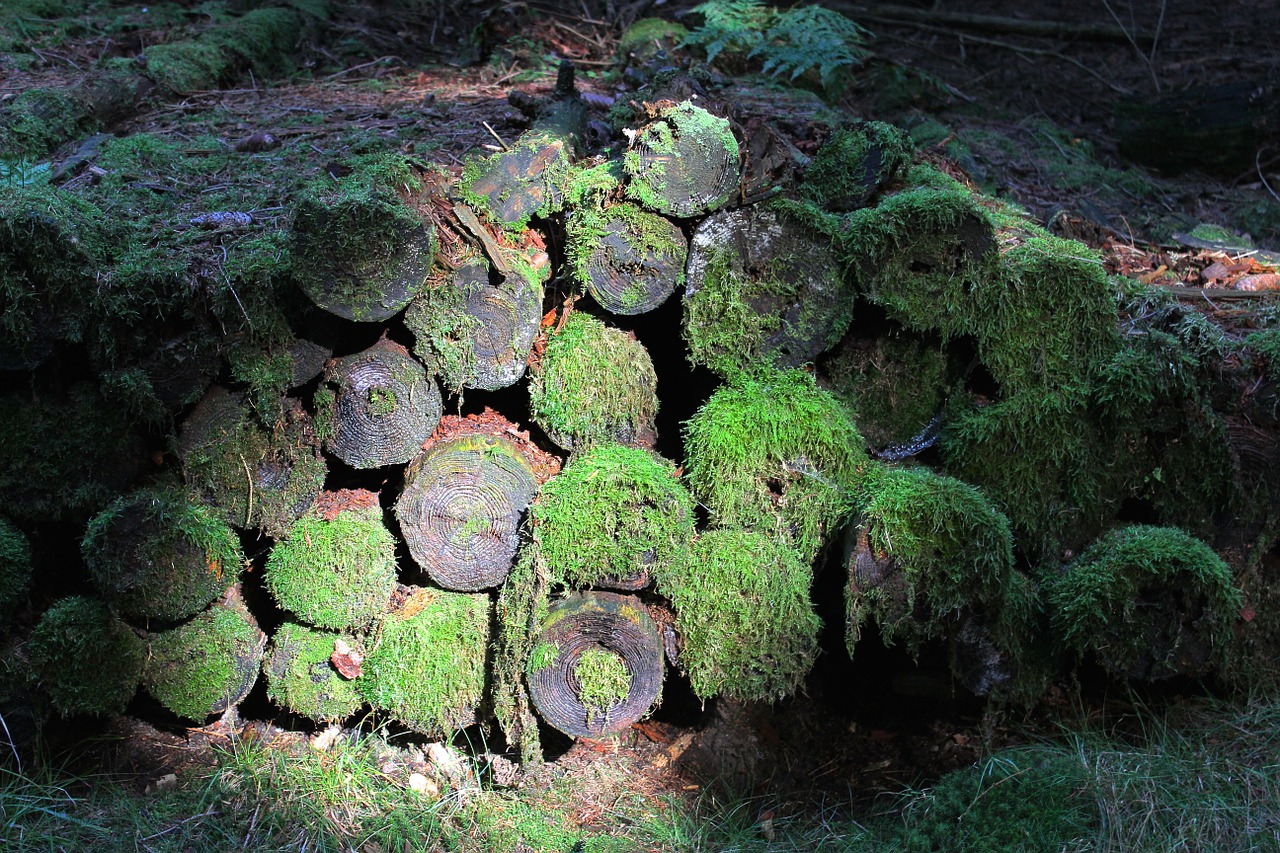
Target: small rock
<point x="424" y="785"/>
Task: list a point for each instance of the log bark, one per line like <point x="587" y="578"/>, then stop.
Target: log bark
<point x="588" y="624"/>
<point x="377" y="407"/>
<point x="629" y="260"/>
<point x="684" y="162"/>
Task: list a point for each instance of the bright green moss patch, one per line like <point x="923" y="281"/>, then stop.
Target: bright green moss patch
<point x="157" y="555"/>
<point x="743" y="608"/>
<point x="259" y="39"/>
<point x="929" y="548"/>
<point x="853" y="163"/>
<point x="335" y="572"/>
<point x="773" y="452"/>
<point x="614" y="512"/>
<point x="427" y="667"/>
<point x="15" y="571"/>
<point x="602" y="679"/>
<point x="1148" y="602"/>
<point x="596" y="384"/>
<point x="207" y="665"/>
<point x="86" y="659"/>
<point x="302" y="678"/>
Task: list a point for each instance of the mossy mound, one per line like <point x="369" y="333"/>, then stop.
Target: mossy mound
<point x="302" y="678"/>
<point x="427" y="667"/>
<point x="208" y="664"/>
<point x="337" y="567"/>
<point x="157" y="555"/>
<point x="596" y="384"/>
<point x="614" y="514"/>
<point x="774" y="452"/>
<point x="648" y="36"/>
<point x="854" y="162"/>
<point x="260" y="39"/>
<point x="15" y="571"/>
<point x="86" y="659"/>
<point x="743" y="609"/>
<point x="929" y="548"/>
<point x="1148" y="603"/>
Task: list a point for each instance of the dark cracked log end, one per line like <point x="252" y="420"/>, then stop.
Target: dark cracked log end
<point x="684" y="163"/>
<point x="628" y="259"/>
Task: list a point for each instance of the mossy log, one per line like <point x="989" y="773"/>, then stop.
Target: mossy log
<point x="463" y="499"/>
<point x="477" y="334"/>
<point x="302" y="678"/>
<point x="376" y="407"/>
<point x="683" y="163"/>
<point x="628" y="259"/>
<point x="360" y="247"/>
<point x="254" y="477"/>
<point x="594" y="384"/>
<point x="762" y="288"/>
<point x="209" y="664"/>
<point x="854" y="163"/>
<point x="156" y="555"/>
<point x="596" y="664"/>
<point x="86" y="659"/>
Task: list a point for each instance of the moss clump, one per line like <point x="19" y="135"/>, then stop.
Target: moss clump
<point x="207" y="665"/>
<point x="260" y="39"/>
<point x="301" y="678"/>
<point x="930" y="548"/>
<point x="15" y="571"/>
<point x="854" y="163"/>
<point x="427" y="668"/>
<point x="86" y="659"/>
<point x="596" y="384"/>
<point x="38" y="120"/>
<point x="615" y="512"/>
<point x="335" y="571"/>
<point x="1266" y="344"/>
<point x="602" y="680"/>
<point x="647" y="36"/>
<point x="522" y="607"/>
<point x="157" y="555"/>
<point x="774" y="451"/>
<point x="743" y="608"/>
<point x="1148" y="602"/>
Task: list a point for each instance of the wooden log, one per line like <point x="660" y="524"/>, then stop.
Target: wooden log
<point x="762" y="288"/>
<point x="302" y="678"/>
<point x="628" y="259"/>
<point x="684" y="162"/>
<point x="209" y="664"/>
<point x="477" y="334"/>
<point x="854" y="163"/>
<point x="376" y="407"/>
<point x="85" y="658"/>
<point x="596" y="664"/>
<point x="252" y="476"/>
<point x="464" y="496"/>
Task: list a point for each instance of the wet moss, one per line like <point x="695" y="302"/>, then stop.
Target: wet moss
<point x="15" y="571"/>
<point x="301" y="678"/>
<point x="424" y="668"/>
<point x="614" y="512"/>
<point x="743" y="609"/>
<point x="335" y="572"/>
<point x="86" y="659"/>
<point x="155" y="554"/>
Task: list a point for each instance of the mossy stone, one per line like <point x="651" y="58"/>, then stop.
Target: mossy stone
<point x="86" y="659"/>
<point x="302" y="678"/>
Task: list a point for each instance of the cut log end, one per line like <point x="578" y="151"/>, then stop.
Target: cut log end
<point x="684" y="163"/>
<point x="629" y="260"/>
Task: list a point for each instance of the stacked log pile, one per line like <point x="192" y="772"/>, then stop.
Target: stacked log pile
<point x="916" y="385"/>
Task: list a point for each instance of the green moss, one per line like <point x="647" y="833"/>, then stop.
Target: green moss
<point x="15" y="571"/>
<point x="425" y="668"/>
<point x="853" y="163"/>
<point x="596" y="384"/>
<point x="301" y="678"/>
<point x="38" y="120"/>
<point x="647" y="36"/>
<point x="86" y="659"/>
<point x="1266" y="345"/>
<point x="525" y="181"/>
<point x="635" y="237"/>
<point x="338" y="573"/>
<point x="614" y="512"/>
<point x="659" y="182"/>
<point x="602" y="679"/>
<point x="521" y="610"/>
<point x="942" y="547"/>
<point x="1147" y="601"/>
<point x="542" y="656"/>
<point x="208" y="664"/>
<point x="156" y="555"/>
<point x="774" y="452"/>
<point x="742" y="605"/>
<point x="259" y="39"/>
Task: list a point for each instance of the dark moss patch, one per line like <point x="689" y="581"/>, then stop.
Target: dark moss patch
<point x="15" y="571"/>
<point x="86" y="659"/>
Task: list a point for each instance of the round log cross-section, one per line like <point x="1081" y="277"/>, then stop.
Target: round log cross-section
<point x="377" y="407"/>
<point x="630" y="260"/>
<point x="596" y="665"/>
<point x="461" y="506"/>
<point x="683" y="163"/>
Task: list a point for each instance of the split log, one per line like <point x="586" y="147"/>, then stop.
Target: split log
<point x="376" y="407"/>
<point x="596" y="664"/>
<point x="474" y="333"/>
<point x="155" y="555"/>
<point x="209" y="664"/>
<point x="301" y="676"/>
<point x="463" y="498"/>
<point x="253" y="477"/>
<point x="683" y="163"/>
<point x="762" y="288"/>
<point x="629" y="260"/>
<point x="87" y="660"/>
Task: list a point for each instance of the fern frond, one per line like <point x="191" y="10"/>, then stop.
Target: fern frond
<point x="730" y="26"/>
<point x="810" y="38"/>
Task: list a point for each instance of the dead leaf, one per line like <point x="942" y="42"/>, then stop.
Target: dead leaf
<point x="346" y="660"/>
<point x="1148" y="278"/>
